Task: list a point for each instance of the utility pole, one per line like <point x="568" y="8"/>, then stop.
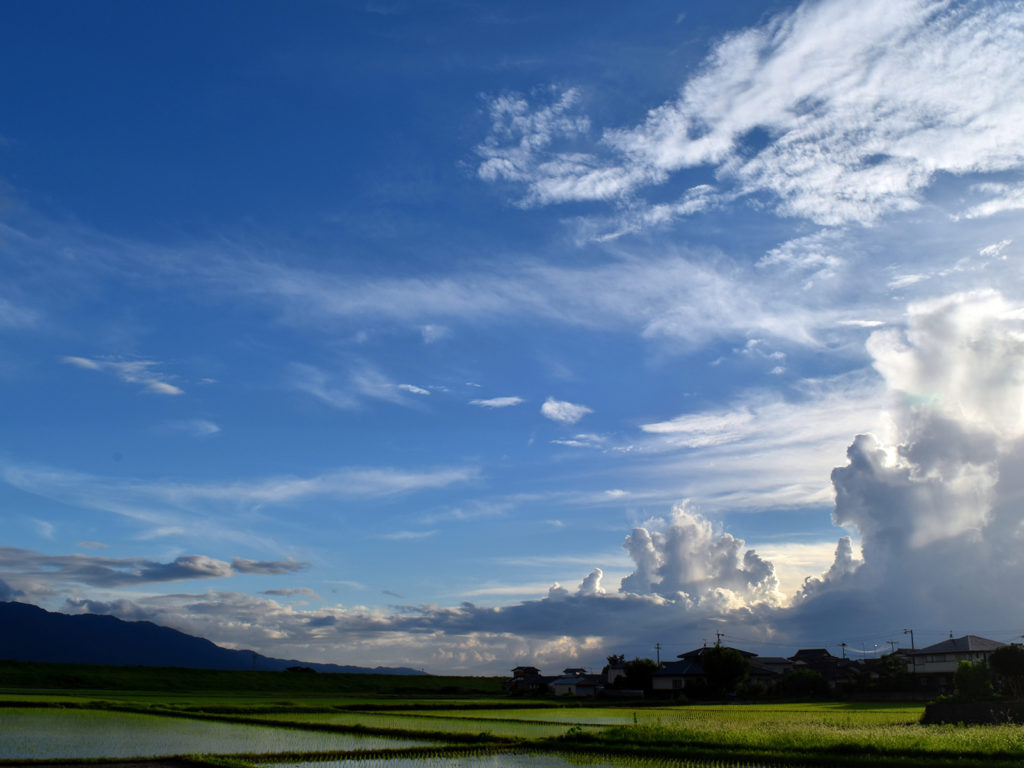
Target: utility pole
<point x="913" y="657"/>
<point x="718" y="639"/>
<point x="843" y="645"/>
<point x="892" y="646"/>
<point x="657" y="650"/>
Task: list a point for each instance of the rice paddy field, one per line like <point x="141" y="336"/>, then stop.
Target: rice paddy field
<point x="296" y="731"/>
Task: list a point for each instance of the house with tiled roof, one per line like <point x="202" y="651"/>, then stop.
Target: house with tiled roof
<point x="935" y="665"/>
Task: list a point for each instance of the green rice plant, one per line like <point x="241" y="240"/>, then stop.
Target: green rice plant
<point x="446" y="724"/>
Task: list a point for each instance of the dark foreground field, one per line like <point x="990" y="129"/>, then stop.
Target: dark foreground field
<point x="165" y="718"/>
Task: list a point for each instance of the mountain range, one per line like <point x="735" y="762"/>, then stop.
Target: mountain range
<point x="30" y="633"/>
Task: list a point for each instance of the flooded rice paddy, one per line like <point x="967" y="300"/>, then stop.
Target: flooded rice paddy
<point x="34" y="734"/>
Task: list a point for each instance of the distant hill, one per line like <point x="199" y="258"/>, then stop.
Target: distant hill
<point x="30" y="633"/>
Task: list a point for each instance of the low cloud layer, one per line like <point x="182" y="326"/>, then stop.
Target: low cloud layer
<point x="33" y="569"/>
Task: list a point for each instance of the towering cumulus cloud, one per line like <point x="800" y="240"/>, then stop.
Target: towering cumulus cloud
<point x="686" y="561"/>
<point x="937" y="504"/>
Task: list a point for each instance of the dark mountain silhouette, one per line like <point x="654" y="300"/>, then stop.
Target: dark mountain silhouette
<point x="29" y="633"/>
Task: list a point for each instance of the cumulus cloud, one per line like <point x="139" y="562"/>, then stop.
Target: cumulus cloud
<point x="563" y="411"/>
<point x="497" y="402"/>
<point x="686" y="560"/>
<point x="591" y="585"/>
<point x="129" y="371"/>
<point x="859" y="106"/>
<point x="936" y="507"/>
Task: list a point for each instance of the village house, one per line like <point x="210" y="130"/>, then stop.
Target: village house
<point x="526" y="680"/>
<point x="935" y="665"/>
<point x="933" y="668"/>
<point x="576" y="682"/>
<point x="688" y="671"/>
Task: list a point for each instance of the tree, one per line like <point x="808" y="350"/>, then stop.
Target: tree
<point x="1008" y="665"/>
<point x="892" y="674"/>
<point x="724" y="669"/>
<point x="637" y="674"/>
<point x="802" y="684"/>
<point x="972" y="682"/>
<point x="616" y="659"/>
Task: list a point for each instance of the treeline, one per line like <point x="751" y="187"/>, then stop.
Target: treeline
<point x="31" y="676"/>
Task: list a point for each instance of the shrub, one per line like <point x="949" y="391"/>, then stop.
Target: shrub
<point x="972" y="682"/>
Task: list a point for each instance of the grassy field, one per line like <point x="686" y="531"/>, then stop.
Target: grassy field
<point x="229" y="721"/>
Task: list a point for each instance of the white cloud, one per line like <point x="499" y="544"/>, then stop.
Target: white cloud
<point x="1003" y="197"/>
<point x="591" y="585"/>
<point x="585" y="440"/>
<point x="764" y="450"/>
<point x="413" y="389"/>
<point x="995" y="250"/>
<point x="349" y="391"/>
<point x="433" y="333"/>
<point x="194" y="427"/>
<point x="563" y="411"/>
<point x="683" y="559"/>
<point x="14" y="316"/>
<point x="220" y="511"/>
<point x="862" y="105"/>
<point x="699" y="429"/>
<point x="937" y="503"/>
<point x="519" y="133"/>
<point x="131" y="372"/>
<point x="498" y="402"/>
<point x="960" y="356"/>
<point x="508" y="590"/>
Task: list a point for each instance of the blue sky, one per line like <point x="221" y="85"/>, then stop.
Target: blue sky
<point x="467" y="335"/>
